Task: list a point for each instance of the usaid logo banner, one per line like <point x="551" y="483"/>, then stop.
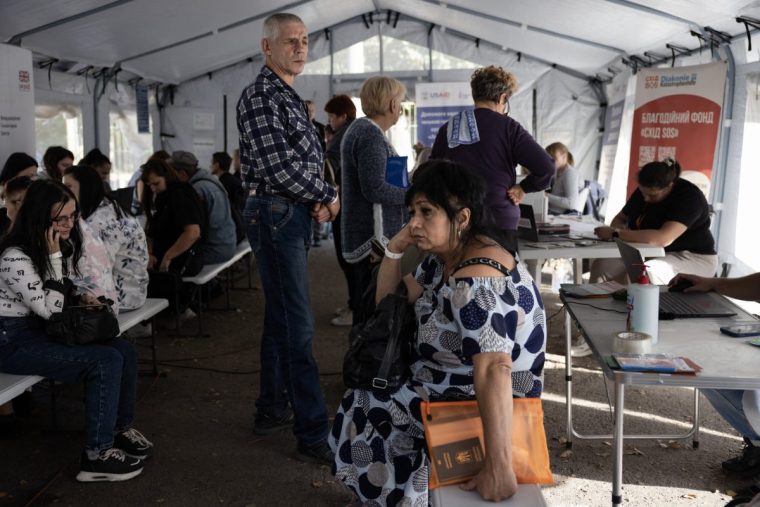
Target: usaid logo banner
<point x="435" y="104"/>
<point x="16" y="101"/>
<point x="677" y="115"/>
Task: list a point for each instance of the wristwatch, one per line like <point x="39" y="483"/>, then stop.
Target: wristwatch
<point x="615" y="233"/>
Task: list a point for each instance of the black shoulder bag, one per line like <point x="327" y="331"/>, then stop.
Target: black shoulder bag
<point x="79" y="324"/>
<point x="379" y="354"/>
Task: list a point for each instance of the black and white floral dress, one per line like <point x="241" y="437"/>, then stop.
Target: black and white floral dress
<point x="378" y="439"/>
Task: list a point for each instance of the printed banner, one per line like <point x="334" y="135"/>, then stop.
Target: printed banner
<point x="16" y="101"/>
<point x="678" y="116"/>
<point x="436" y="103"/>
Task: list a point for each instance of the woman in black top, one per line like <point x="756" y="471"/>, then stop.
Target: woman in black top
<point x="175" y="220"/>
<point x="668" y="211"/>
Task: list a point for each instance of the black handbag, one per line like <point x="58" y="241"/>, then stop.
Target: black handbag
<point x="380" y="348"/>
<point x="79" y="324"/>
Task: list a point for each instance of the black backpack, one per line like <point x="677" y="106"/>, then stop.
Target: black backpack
<point x="380" y="349"/>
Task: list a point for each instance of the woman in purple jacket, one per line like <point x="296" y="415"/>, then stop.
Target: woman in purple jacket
<point x="489" y="141"/>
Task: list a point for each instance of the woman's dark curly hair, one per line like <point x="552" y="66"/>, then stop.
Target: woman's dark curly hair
<point x="29" y="230"/>
<point x="453" y="187"/>
<point x="659" y="174"/>
<point x="488" y="83"/>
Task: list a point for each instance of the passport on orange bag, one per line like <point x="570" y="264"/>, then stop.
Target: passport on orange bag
<point x="454" y="438"/>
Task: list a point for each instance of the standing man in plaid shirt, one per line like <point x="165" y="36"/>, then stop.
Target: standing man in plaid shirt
<point x="281" y="160"/>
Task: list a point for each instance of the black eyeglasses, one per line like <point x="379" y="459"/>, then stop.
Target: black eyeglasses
<point x="62" y="219"/>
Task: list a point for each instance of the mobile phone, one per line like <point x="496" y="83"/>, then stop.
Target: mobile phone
<point x="742" y="329"/>
<point x="66" y="247"/>
<point x="378" y="248"/>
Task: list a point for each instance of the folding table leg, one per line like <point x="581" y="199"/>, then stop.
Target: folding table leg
<point x="695" y="438"/>
<point x="617" y="473"/>
<point x="569" y="378"/>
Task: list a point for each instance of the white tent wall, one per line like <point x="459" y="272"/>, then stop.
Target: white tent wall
<point x="64" y="90"/>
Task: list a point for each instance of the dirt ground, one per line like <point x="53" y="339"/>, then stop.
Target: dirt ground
<point x="200" y="415"/>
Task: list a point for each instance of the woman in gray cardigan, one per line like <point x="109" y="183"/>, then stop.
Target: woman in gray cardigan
<point x="371" y="208"/>
<point x="567" y="192"/>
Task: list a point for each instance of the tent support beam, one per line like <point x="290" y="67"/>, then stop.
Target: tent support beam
<point x="655" y="12"/>
<point x="724" y="140"/>
<point x="16" y="39"/>
<point x="552" y="33"/>
<point x="561" y="68"/>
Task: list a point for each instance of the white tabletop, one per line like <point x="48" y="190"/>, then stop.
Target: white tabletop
<point x="585" y="245"/>
<point x="726" y="362"/>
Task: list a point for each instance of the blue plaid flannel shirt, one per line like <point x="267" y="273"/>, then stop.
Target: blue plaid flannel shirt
<point x="279" y="147"/>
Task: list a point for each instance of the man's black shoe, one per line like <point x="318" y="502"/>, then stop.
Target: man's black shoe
<point x="319" y="453"/>
<point x="266" y="424"/>
<point x="746" y="464"/>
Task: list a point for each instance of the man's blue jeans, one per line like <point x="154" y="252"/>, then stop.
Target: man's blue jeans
<point x="728" y="403"/>
<point x="108" y="370"/>
<point x="279" y="231"/>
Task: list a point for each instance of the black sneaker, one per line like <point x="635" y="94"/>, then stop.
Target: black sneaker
<point x="133" y="443"/>
<point x="111" y="465"/>
<point x="319" y="453"/>
<point x="266" y="424"/>
<point x="746" y="464"/>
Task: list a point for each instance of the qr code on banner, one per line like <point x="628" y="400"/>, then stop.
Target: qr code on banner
<point x="664" y="152"/>
<point x="646" y="155"/>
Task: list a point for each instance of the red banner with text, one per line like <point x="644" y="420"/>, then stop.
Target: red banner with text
<point x="677" y="116"/>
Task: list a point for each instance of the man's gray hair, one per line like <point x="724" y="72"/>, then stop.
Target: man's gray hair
<point x="273" y="22"/>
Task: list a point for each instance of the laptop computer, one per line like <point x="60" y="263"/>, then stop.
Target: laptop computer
<point x="678" y="305"/>
<point x="540" y="204"/>
<point x="530" y="230"/>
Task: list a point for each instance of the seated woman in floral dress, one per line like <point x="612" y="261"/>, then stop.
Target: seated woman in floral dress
<point x="481" y="334"/>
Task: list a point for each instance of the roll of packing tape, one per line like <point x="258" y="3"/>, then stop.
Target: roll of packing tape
<point x="632" y="343"/>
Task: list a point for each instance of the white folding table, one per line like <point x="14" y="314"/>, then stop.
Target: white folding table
<point x="727" y="363"/>
<point x="576" y="249"/>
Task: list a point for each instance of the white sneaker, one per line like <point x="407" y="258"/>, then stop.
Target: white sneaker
<point x="581" y="349"/>
<point x="345" y="319"/>
<point x="340" y="311"/>
<point x="187" y="315"/>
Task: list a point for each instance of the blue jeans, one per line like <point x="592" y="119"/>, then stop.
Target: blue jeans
<point x="728" y="403"/>
<point x="279" y="231"/>
<point x="108" y="370"/>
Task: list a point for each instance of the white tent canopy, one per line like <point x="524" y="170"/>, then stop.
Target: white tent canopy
<point x="570" y="58"/>
<point x="172" y="41"/>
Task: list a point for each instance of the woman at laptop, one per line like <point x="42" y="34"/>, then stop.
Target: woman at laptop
<point x="566" y="195"/>
<point x="668" y="211"/>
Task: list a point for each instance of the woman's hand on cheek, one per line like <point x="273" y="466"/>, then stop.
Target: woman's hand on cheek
<point x="402" y="240"/>
<point x="52" y="241"/>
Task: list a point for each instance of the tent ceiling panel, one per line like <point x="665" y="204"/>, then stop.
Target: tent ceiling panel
<point x="140" y="26"/>
<point x="174" y="40"/>
<point x="19" y="16"/>
<point x="218" y="50"/>
<point x="572" y="54"/>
